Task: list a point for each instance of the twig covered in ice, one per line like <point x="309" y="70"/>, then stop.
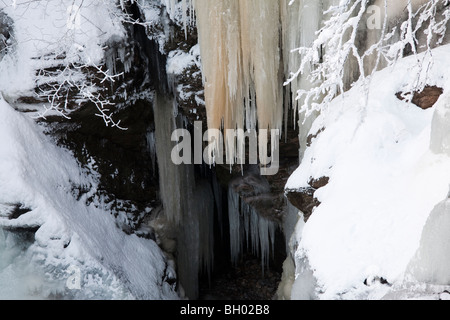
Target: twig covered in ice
<point x="337" y="45"/>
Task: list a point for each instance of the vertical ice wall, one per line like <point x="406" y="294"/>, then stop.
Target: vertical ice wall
<point x="432" y="261"/>
<point x="188" y="204"/>
<point x="174" y="180"/>
<point x="300" y="20"/>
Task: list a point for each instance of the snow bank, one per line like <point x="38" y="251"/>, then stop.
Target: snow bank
<point x="432" y="262"/>
<point x="73" y="241"/>
<point x="384" y="182"/>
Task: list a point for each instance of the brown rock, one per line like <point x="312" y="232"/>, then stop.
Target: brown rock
<point x="318" y="183"/>
<point x="311" y="137"/>
<point x="304" y="199"/>
<point x="425" y="99"/>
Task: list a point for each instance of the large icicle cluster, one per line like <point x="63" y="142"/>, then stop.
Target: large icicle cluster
<point x="249" y="228"/>
<point x="246" y="50"/>
<point x="241" y="62"/>
<point x="300" y="20"/>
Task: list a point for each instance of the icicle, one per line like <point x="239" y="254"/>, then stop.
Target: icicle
<point x="151" y="144"/>
<point x="172" y="7"/>
<point x="111" y="58"/>
<point x="301" y="19"/>
<point x="202" y="205"/>
<point x="235" y="225"/>
<point x="240" y="52"/>
<point x="248" y="227"/>
<point x="218" y="200"/>
<point x="123" y="58"/>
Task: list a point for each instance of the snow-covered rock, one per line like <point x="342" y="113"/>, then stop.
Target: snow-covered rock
<point x="77" y="250"/>
<point x="384" y="181"/>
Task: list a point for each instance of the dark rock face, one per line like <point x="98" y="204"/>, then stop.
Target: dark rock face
<point x="13" y="211"/>
<point x="18" y="210"/>
<point x="304" y="199"/>
<point x="425" y="99"/>
<point x="255" y="190"/>
<point x="121" y="159"/>
<point x="318" y="183"/>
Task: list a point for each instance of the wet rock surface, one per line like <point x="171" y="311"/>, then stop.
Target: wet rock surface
<point x="244" y="282"/>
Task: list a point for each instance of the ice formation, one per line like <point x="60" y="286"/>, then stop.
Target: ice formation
<point x="188" y="204"/>
<point x="247" y="54"/>
<point x="55" y="233"/>
<point x="240" y="53"/>
<point x="301" y="19"/>
<point x="432" y="262"/>
<point x="440" y="130"/>
<point x="248" y="228"/>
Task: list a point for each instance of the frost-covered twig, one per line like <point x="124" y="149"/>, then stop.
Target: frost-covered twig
<point x="80" y="82"/>
<point x="73" y="76"/>
<point x="338" y="44"/>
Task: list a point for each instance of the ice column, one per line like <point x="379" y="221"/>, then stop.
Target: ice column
<point x="248" y="228"/>
<point x="188" y="204"/>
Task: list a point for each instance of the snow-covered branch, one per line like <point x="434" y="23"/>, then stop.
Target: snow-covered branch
<point x="339" y="43"/>
<point x="76" y="72"/>
<point x="76" y="82"/>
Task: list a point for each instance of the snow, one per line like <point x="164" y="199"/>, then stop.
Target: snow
<point x="57" y="33"/>
<point x="40" y="176"/>
<point x="179" y="60"/>
<point x="73" y="239"/>
<point x="431" y="264"/>
<point x="384" y="182"/>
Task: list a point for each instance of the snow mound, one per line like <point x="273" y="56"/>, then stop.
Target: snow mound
<point x="54" y="246"/>
<point x="384" y="182"/>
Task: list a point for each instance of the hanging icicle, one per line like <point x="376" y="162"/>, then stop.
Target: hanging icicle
<point x="248" y="227"/>
<point x="241" y="61"/>
<point x="187" y="11"/>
